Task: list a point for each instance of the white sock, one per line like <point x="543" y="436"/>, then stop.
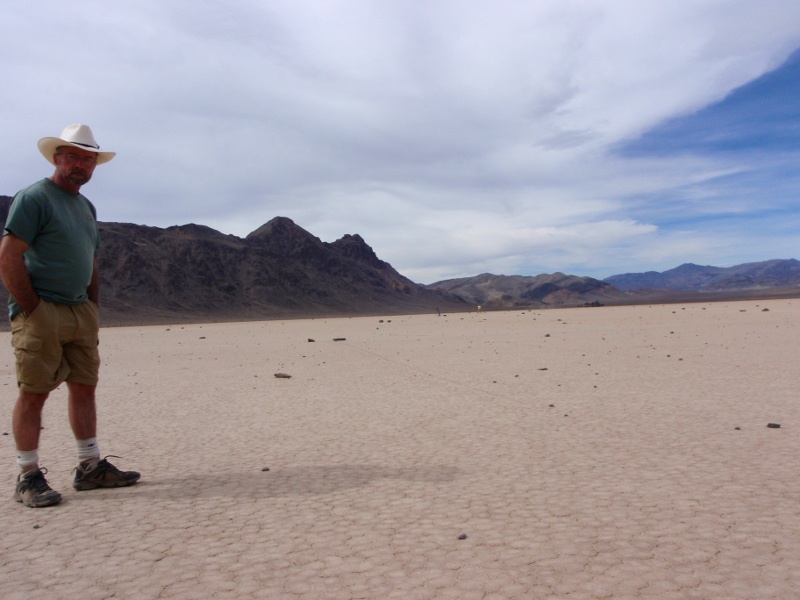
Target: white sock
<point x="88" y="450"/>
<point x="27" y="459"/>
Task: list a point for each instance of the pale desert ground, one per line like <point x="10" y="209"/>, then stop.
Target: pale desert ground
<point x="615" y="452"/>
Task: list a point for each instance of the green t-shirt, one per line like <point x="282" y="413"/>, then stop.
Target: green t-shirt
<point x="61" y="230"/>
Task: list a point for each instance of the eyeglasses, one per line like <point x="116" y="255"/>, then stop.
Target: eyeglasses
<point x="86" y="161"/>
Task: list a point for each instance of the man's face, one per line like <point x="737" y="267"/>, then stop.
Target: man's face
<point x="75" y="165"/>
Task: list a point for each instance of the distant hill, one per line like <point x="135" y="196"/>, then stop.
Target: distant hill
<point x="769" y="274"/>
<point x="517" y="291"/>
<point x="194" y="273"/>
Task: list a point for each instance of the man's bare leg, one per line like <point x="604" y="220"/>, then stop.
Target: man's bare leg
<point x="27" y="423"/>
<point x="82" y="410"/>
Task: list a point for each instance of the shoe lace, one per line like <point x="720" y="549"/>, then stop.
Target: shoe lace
<point x="101" y="464"/>
<point x="103" y="461"/>
<point x="37" y="482"/>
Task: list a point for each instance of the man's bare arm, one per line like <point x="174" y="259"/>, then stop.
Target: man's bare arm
<point x="15" y="274"/>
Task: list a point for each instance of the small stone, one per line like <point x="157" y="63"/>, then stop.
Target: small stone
<point x="36" y="526"/>
<point x="339" y="339"/>
<point x="282" y="376"/>
<point x="265" y="469"/>
<point x="773" y="425"/>
<point x="202" y="337"/>
<point x="738" y="428"/>
<point x="463" y="536"/>
<point x="311" y="340"/>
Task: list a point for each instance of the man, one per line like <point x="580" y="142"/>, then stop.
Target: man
<point x="47" y="263"/>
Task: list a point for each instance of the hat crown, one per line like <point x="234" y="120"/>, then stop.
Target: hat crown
<point x="81" y="135"/>
<point x="77" y="136"/>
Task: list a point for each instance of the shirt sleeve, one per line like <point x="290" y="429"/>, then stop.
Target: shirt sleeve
<point x="26" y="217"/>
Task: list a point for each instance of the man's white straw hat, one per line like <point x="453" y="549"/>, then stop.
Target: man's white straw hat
<point x="79" y="136"/>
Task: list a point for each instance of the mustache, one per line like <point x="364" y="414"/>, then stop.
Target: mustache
<point x="78" y="176"/>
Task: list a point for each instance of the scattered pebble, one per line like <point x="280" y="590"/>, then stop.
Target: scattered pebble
<point x="202" y="337"/>
<point x="773" y="425"/>
<point x="463" y="536"/>
<point x="265" y="469"/>
<point x="36" y="526"/>
<point x="738" y="428"/>
<point x="339" y="339"/>
<point x="311" y="340"/>
<point x="282" y="376"/>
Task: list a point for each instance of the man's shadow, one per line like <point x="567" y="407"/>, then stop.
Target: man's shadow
<point x="278" y="482"/>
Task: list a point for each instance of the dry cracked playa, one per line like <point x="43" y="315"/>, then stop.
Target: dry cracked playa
<point x="615" y="452"/>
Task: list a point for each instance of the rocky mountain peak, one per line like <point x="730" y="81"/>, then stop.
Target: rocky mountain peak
<point x="284" y="238"/>
<point x="354" y="246"/>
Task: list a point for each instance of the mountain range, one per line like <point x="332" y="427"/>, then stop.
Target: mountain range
<point x="192" y="273"/>
<point x="518" y="291"/>
<point x="749" y="276"/>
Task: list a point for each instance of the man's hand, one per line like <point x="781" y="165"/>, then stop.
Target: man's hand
<point x="15" y="274"/>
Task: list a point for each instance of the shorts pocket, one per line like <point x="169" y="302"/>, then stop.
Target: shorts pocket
<point x="28" y="343"/>
<point x="40" y="308"/>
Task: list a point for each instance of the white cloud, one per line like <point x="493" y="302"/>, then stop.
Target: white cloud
<point x="453" y="136"/>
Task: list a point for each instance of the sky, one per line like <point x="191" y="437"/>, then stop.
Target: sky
<point x="589" y="137"/>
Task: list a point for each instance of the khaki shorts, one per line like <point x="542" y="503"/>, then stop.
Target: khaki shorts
<point x="56" y="343"/>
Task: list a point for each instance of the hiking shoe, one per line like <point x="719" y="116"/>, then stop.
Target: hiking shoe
<point x="103" y="475"/>
<point x="33" y="490"/>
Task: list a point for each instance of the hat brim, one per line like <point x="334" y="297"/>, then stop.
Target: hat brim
<point x="49" y="145"/>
